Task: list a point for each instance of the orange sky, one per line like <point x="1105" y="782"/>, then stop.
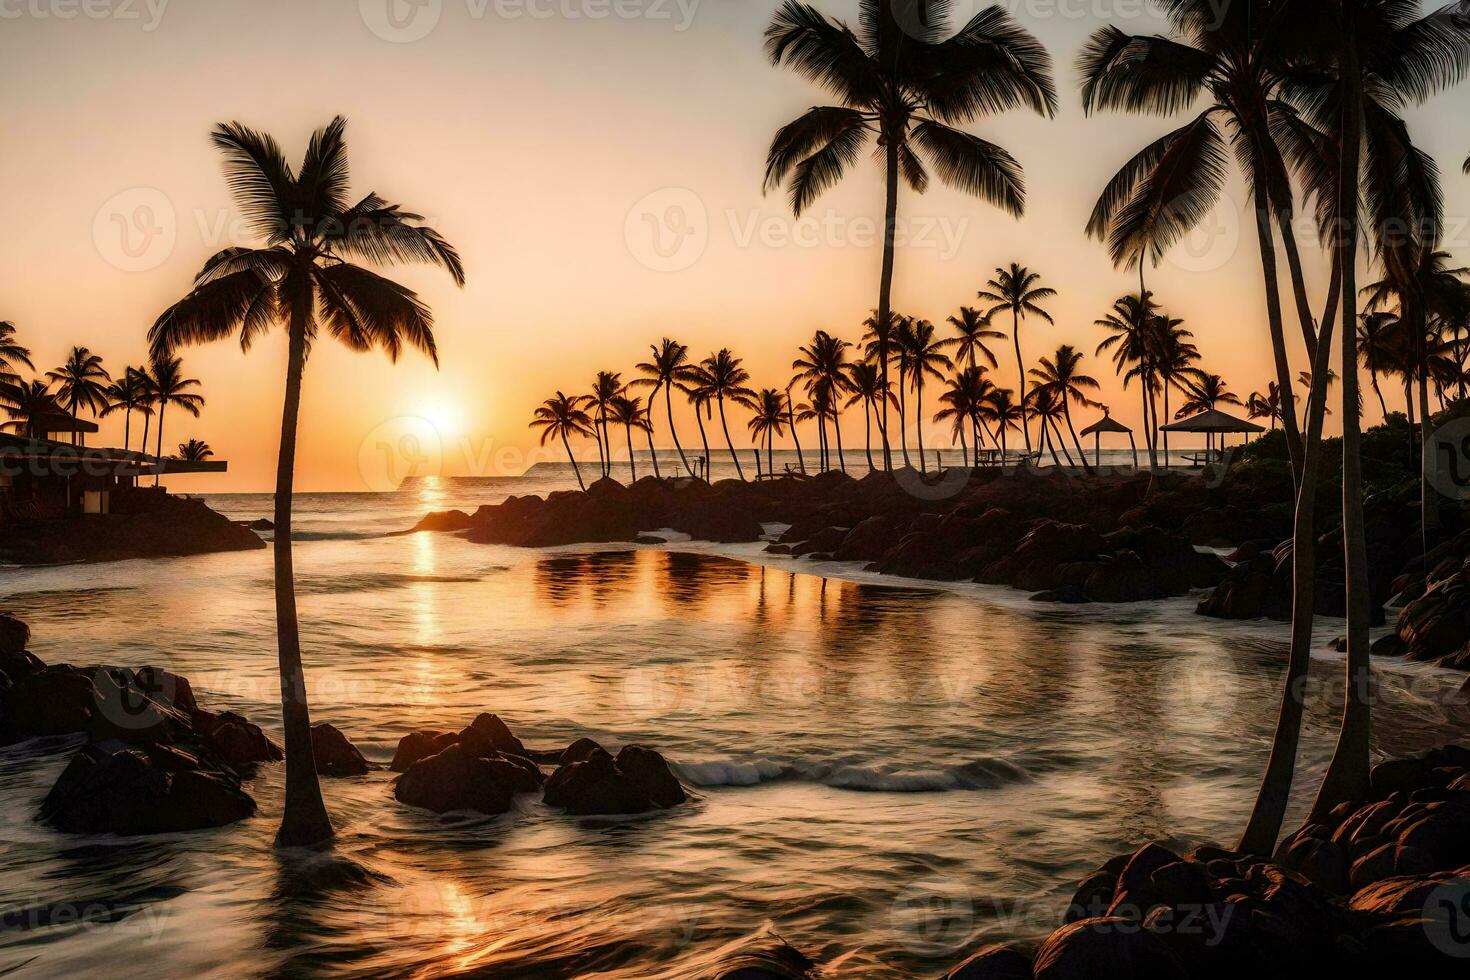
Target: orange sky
<point x="537" y="135"/>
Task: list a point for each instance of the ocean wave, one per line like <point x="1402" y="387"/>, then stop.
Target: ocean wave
<point x="987" y="772"/>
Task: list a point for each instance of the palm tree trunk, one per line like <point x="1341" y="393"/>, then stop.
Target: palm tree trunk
<point x="1373" y="379"/>
<point x="673" y="432"/>
<point x="919" y="411"/>
<point x="162" y="407"/>
<point x="791" y="420"/>
<point x="127" y="427"/>
<point x="1298" y="282"/>
<point x="868" y="434"/>
<point x="1056" y="435"/>
<point x="837" y="431"/>
<point x="903" y="424"/>
<point x="1148" y="428"/>
<point x="147" y="419"/>
<point x="304" y="819"/>
<point x="885" y="279"/>
<point x="734" y="458"/>
<point x="964" y="450"/>
<point x="770" y="463"/>
<point x="1047" y="443"/>
<point x="1264" y="826"/>
<point x="1020" y="371"/>
<point x="1428" y="516"/>
<point x="651" y="453"/>
<point x="821" y="443"/>
<point x="575" y="468"/>
<point x="1067" y="413"/>
<point x="1163" y="428"/>
<point x="632" y="464"/>
<point x="1273" y="317"/>
<point x="703" y="439"/>
<point x="601" y="450"/>
<point x="1347" y="774"/>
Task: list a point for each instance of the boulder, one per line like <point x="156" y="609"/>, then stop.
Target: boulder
<point x="126" y="790"/>
<point x="651" y="774"/>
<point x="1105" y="949"/>
<point x="997" y="962"/>
<point x="420" y="745"/>
<point x="827" y="540"/>
<point x="235" y="739"/>
<point x="458" y="779"/>
<point x="334" y="754"/>
<point x="15" y="635"/>
<point x="582" y="748"/>
<point x="715" y="520"/>
<point x="778" y="961"/>
<point x="443" y="520"/>
<point x="636" y="781"/>
<point x="870" y="539"/>
<point x="487" y="733"/>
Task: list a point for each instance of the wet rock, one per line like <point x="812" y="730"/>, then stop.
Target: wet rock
<point x="143" y="523"/>
<point x="778" y="961"/>
<point x="1123" y="577"/>
<point x="420" y="745"/>
<point x="649" y="539"/>
<point x="826" y="540"/>
<point x="998" y="962"/>
<point x="871" y="538"/>
<point x="717" y="521"/>
<point x="15" y="635"/>
<point x="1093" y="896"/>
<point x="487" y="733"/>
<point x="443" y="520"/>
<point x="261" y="524"/>
<point x="650" y="773"/>
<point x="582" y="748"/>
<point x="52" y="700"/>
<point x="123" y="790"/>
<point x="458" y="779"/>
<point x="1105" y="949"/>
<point x="637" y="781"/>
<point x="236" y="740"/>
<point x="334" y="754"/>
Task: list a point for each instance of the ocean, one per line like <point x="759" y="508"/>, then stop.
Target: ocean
<point x="885" y="773"/>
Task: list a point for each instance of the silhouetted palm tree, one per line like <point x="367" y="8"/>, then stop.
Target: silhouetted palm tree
<point x="924" y="352"/>
<point x="1016" y="289"/>
<point x="963" y="399"/>
<point x="1266" y="404"/>
<point x="562" y="417"/>
<point x="128" y="394"/>
<point x="877" y="343"/>
<point x="194" y="451"/>
<point x="866" y="384"/>
<point x="725" y="378"/>
<point x="1131" y="321"/>
<point x="79" y="384"/>
<point x="30" y="406"/>
<point x="1174" y="361"/>
<point x="696" y="387"/>
<point x="1044" y="406"/>
<point x="669" y="364"/>
<point x="974" y="329"/>
<point x="823" y="364"/>
<point x="1002" y="409"/>
<point x="630" y="414"/>
<point x="769" y="420"/>
<point x="303" y="279"/>
<point x="11" y="352"/>
<point x="1377" y="350"/>
<point x="605" y="387"/>
<point x="170" y="387"/>
<point x="1204" y="392"/>
<point x="1060" y="375"/>
<point x="899" y="79"/>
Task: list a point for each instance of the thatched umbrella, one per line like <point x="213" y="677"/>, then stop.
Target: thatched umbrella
<point x="1108" y="424"/>
<point x="1213" y="422"/>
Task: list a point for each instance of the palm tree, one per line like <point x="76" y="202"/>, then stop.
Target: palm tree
<point x="1203" y="392"/>
<point x="1002" y="409"/>
<point x="79" y="384"/>
<point x="1174" y="360"/>
<point x="1266" y="404"/>
<point x="303" y="279"/>
<point x="630" y="414"/>
<point x="11" y="352"/>
<point x="974" y="329"/>
<point x="963" y="398"/>
<point x="898" y="78"/>
<point x="1016" y="289"/>
<point x="30" y="405"/>
<point x="696" y="387"/>
<point x="1060" y="376"/>
<point x="667" y="366"/>
<point x="725" y="378"/>
<point x="1304" y="378"/>
<point x="194" y="451"/>
<point x="866" y="384"/>
<point x="924" y="352"/>
<point x="128" y="394"/>
<point x="605" y="387"/>
<point x="876" y="340"/>
<point x="769" y="420"/>
<point x="1131" y="321"/>
<point x="562" y="417"/>
<point x="1044" y="405"/>
<point x="147" y="398"/>
<point x="823" y="364"/>
<point x="1378" y="352"/>
<point x="171" y="388"/>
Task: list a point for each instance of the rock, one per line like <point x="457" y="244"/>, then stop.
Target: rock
<point x="598" y="785"/>
<point x="1372" y="867"/>
<point x="1123" y="578"/>
<point x="871" y="539"/>
<point x="487" y="733"/>
<point x="827" y="540"/>
<point x="127" y="791"/>
<point x="774" y="962"/>
<point x="15" y="635"/>
<point x="53" y="700"/>
<point x="1093" y="896"/>
<point x="582" y="748"/>
<point x="420" y="745"/>
<point x="1402" y="894"/>
<point x="335" y="755"/>
<point x="236" y="740"/>
<point x="649" y="539"/>
<point x="442" y="520"/>
<point x="457" y="779"/>
<point x="1105" y="949"/>
<point x="650" y="773"/>
<point x="717" y="521"/>
<point x="261" y="524"/>
<point x="1320" y="862"/>
<point x="997" y="962"/>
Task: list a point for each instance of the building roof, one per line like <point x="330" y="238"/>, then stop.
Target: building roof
<point x="114" y="462"/>
<point x="1213" y="420"/>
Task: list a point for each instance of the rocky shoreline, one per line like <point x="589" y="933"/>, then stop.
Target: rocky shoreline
<point x="143" y="523"/>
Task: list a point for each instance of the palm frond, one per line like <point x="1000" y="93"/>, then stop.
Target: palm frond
<point x="365" y="310"/>
<point x="1132" y="73"/>
<point x="259" y="178"/>
<point x="971" y="164"/>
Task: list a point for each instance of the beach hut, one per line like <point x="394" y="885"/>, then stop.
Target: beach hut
<point x="1213" y="422"/>
<point x="1108" y="424"/>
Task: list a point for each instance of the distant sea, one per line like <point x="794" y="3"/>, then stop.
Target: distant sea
<point x="886" y="773"/>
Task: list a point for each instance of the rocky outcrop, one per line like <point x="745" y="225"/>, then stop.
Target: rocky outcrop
<point x="442" y="520"/>
<point x="142" y="524"/>
<point x="334" y="754"/>
<point x="636" y="781"/>
<point x="467" y="776"/>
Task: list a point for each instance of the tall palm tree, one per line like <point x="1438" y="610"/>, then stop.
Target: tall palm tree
<point x="303" y="278"/>
<point x="1265" y="404"/>
<point x="897" y="77"/>
<point x="791" y="421"/>
<point x="1016" y="289"/>
<point x="128" y="394"/>
<point x="866" y="384"/>
<point x="726" y="379"/>
<point x="1045" y="406"/>
<point x="1060" y="376"/>
<point x="974" y="329"/>
<point x="1377" y="350"/>
<point x="695" y="384"/>
<point x="768" y="421"/>
<point x="79" y="384"/>
<point x="1008" y="415"/>
<point x="1175" y="362"/>
<point x="11" y="352"/>
<point x="30" y="406"/>
<point x="562" y="417"/>
<point x="665" y="368"/>
<point x="630" y="414"/>
<point x="606" y="386"/>
<point x="823" y="363"/>
<point x="195" y="451"/>
<point x="170" y="387"/>
<point x="147" y="398"/>
<point x="924" y="350"/>
<point x="1134" y="354"/>
<point x="963" y="400"/>
<point x="877" y="341"/>
<point x="1202" y="393"/>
